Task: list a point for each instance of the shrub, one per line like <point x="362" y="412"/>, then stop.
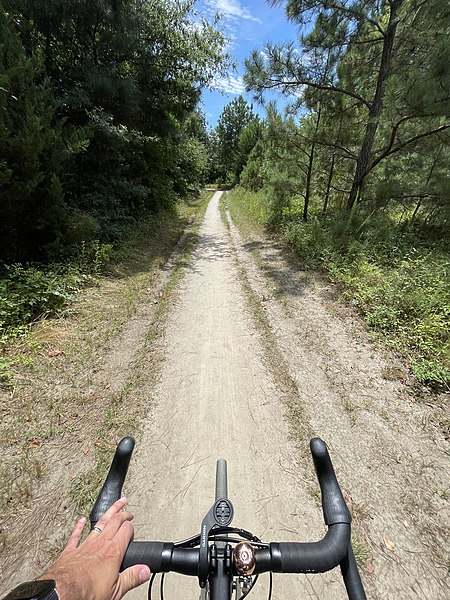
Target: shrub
<point x="399" y="280"/>
<point x="81" y="227"/>
<point x="27" y="293"/>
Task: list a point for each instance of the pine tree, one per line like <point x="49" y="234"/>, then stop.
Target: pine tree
<point x="234" y="119"/>
<point x="32" y="212"/>
<point x="408" y="85"/>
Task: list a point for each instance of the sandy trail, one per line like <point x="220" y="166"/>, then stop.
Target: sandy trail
<point x="215" y="398"/>
<point x="222" y="383"/>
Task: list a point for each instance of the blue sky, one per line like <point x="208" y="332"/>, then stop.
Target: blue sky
<point x="248" y="24"/>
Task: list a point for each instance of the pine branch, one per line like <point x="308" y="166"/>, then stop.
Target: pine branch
<point x="327" y="88"/>
<point x="348" y="152"/>
<point x="356" y="15"/>
<point x="404" y="144"/>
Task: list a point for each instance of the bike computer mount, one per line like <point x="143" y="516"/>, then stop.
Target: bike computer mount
<point x="219" y="515"/>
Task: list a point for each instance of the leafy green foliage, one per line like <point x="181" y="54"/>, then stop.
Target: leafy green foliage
<point x="403" y="293"/>
<point x="398" y="279"/>
<point x="27" y="293"/>
<point x="98" y="101"/>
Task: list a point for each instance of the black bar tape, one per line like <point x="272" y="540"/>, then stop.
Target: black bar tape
<point x="156" y="555"/>
<point x="268" y="559"/>
<point x="314" y="557"/>
<point x="333" y="504"/>
<point x="351" y="576"/>
<point x="162" y="557"/>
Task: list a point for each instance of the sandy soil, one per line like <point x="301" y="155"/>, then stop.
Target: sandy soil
<point x="257" y="357"/>
<point x="220" y="395"/>
<point x="216" y="398"/>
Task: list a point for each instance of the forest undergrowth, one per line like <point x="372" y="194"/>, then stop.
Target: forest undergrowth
<point x="32" y="293"/>
<point x="396" y="273"/>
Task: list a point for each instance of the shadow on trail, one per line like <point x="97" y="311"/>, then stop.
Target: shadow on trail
<point x="209" y="248"/>
<point x="281" y="266"/>
<point x="278" y="264"/>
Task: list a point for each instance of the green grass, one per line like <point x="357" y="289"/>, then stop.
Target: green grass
<point x="124" y="414"/>
<point x="30" y="293"/>
<point x="247" y="209"/>
<point x="398" y="277"/>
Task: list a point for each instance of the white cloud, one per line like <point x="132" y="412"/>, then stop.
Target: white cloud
<point x="230" y="84"/>
<point x="231" y="9"/>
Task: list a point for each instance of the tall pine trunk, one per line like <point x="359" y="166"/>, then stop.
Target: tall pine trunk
<point x="330" y="179"/>
<point x="376" y="106"/>
<point x="310" y="168"/>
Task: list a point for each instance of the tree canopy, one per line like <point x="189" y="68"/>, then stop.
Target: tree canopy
<point x="233" y="139"/>
<point x="378" y="75"/>
<point x="97" y="103"/>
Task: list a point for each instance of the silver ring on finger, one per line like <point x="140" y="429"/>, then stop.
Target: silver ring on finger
<point x="97" y="529"/>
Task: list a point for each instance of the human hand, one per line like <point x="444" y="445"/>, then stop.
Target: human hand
<point x="90" y="570"/>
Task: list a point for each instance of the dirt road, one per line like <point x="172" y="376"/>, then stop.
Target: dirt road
<point x="228" y="388"/>
<point x="257" y="356"/>
<point x="216" y="398"/>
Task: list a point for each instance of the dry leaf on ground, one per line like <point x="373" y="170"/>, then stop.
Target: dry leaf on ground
<point x="54" y="352"/>
<point x="388" y="542"/>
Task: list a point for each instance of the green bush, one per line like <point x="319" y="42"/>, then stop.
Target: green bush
<point x="398" y="277"/>
<point x="251" y="177"/>
<point x="81" y="227"/>
<point x="27" y="293"/>
<point x="432" y="372"/>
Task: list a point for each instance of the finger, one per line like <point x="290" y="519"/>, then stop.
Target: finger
<point x="112" y="510"/>
<point x="132" y="578"/>
<point x="115" y="523"/>
<point x="76" y="534"/>
<point x="124" y="536"/>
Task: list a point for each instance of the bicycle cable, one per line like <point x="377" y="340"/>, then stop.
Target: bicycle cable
<point x="195" y="539"/>
<point x="150" y="584"/>
<point x="161" y="587"/>
<point x="255" y="579"/>
<point x="217" y="538"/>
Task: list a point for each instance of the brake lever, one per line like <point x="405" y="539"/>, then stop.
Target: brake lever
<point x="112" y="488"/>
<point x="333" y="504"/>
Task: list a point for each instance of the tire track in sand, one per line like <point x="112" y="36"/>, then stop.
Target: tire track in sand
<point x="216" y="398"/>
